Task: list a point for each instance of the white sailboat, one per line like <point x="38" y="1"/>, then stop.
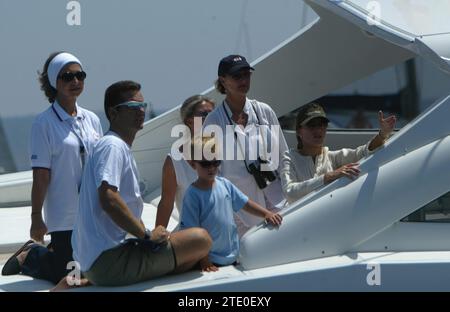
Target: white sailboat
<point x="386" y="230"/>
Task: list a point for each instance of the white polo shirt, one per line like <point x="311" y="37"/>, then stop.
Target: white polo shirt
<point x="57" y="140"/>
<point x="258" y="113"/>
<point x="94" y="231"/>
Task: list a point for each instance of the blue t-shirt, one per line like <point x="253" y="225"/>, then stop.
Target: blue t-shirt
<point x="213" y="210"/>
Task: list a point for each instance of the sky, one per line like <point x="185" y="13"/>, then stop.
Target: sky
<point x="172" y="47"/>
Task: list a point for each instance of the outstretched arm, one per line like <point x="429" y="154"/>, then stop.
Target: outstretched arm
<point x="386" y="127"/>
<point x="257" y="210"/>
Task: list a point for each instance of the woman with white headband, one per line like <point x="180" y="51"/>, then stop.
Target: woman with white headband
<point x="61" y="139"/>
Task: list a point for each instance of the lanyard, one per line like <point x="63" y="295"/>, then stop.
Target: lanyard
<point x="235" y="135"/>
<point x="79" y="137"/>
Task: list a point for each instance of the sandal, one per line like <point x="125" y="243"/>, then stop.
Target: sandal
<point x="12" y="266"/>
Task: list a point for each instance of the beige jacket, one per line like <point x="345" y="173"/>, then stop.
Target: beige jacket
<point x="300" y="175"/>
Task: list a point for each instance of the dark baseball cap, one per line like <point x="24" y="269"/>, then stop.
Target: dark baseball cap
<point x="231" y="64"/>
<point x="309" y="112"/>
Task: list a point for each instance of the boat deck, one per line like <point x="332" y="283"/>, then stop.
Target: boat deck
<point x="406" y="271"/>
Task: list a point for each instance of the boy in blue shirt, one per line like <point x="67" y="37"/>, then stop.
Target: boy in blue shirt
<point x="209" y="203"/>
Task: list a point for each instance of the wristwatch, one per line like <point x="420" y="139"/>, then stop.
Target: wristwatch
<point x="147" y="234"/>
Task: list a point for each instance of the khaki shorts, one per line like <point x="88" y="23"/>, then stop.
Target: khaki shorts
<point x="133" y="261"/>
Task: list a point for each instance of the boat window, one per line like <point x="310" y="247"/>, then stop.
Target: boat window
<point x="404" y="90"/>
<point x="436" y="211"/>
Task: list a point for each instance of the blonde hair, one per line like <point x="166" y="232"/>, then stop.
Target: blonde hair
<point x="219" y="86"/>
<point x="204" y="144"/>
<point x="189" y="105"/>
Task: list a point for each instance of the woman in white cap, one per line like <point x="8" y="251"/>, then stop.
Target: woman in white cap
<point x="61" y="139"/>
<point x="255" y="131"/>
<point x="177" y="174"/>
<point x="312" y="165"/>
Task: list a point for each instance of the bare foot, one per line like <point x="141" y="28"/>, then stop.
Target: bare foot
<point x="69" y="282"/>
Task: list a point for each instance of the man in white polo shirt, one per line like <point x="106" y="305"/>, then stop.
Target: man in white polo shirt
<point x="111" y="206"/>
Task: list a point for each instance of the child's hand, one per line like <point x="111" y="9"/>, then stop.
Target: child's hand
<point x="273" y="218"/>
<point x="207" y="266"/>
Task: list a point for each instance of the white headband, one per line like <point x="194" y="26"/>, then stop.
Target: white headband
<point x="57" y="63"/>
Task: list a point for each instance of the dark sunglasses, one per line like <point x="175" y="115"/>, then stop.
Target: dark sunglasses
<point x="317" y="123"/>
<point x="201" y="114"/>
<point x="209" y="163"/>
<point x="133" y="105"/>
<point x="68" y="77"/>
<point x="241" y="75"/>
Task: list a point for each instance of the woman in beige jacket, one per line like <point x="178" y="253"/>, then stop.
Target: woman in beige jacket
<point x="313" y="165"/>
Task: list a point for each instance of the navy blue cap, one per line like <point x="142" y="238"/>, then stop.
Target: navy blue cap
<point x="231" y="64"/>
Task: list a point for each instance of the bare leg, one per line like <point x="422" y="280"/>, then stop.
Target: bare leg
<point x="190" y="246"/>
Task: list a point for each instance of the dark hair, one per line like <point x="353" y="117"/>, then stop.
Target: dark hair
<point x="299" y="141"/>
<point x="119" y="92"/>
<point x="219" y="86"/>
<point x="188" y="107"/>
<point x="49" y="91"/>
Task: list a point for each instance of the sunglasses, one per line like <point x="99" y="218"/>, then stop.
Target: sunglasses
<point x="317" y="123"/>
<point x="241" y="75"/>
<point x="133" y="105"/>
<point x="209" y="163"/>
<point x="201" y="114"/>
<point x="68" y="77"/>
